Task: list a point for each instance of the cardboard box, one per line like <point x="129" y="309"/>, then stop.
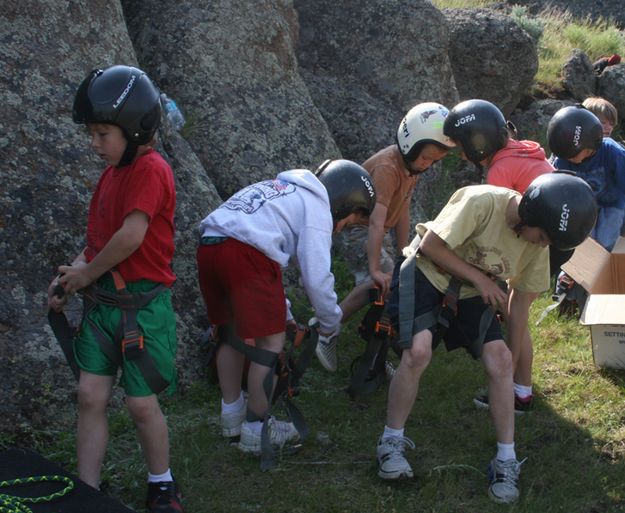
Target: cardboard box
<point x="602" y="274"/>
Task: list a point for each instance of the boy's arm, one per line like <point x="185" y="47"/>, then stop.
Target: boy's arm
<point x="435" y="248"/>
<point x="374" y="247"/>
<point x="402" y="229"/>
<point x="122" y="244"/>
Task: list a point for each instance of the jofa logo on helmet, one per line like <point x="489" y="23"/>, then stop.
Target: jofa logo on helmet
<point x="125" y="92"/>
<point x="564" y="218"/>
<point x="465" y="120"/>
<point x="577" y="135"/>
<point x="368" y="185"/>
<point x="404" y="127"/>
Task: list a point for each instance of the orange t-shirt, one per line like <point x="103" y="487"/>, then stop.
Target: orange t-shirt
<point x="393" y="184"/>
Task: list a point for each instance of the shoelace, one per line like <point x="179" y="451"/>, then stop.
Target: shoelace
<point x="510" y="469"/>
<point x="400" y="442"/>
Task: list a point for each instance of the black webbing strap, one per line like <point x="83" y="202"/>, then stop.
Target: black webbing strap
<point x="289" y="371"/>
<point x="406" y="292"/>
<point x="368" y="370"/>
<point x="441" y="315"/>
<point x="64" y="333"/>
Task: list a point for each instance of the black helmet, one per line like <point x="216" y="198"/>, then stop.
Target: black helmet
<point x="349" y="187"/>
<point x="122" y="96"/>
<point x="573" y="129"/>
<point x="479" y="126"/>
<point x="423" y="124"/>
<point x="561" y="204"/>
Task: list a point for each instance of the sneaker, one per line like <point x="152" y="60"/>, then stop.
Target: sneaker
<point x="521" y="406"/>
<point x="280" y="433"/>
<point x="231" y="422"/>
<point x="391" y="461"/>
<point x="326" y="351"/>
<point x="389" y="370"/>
<point x="164" y="497"/>
<point x="504" y="480"/>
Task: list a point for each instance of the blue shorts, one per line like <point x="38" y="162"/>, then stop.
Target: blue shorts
<point x="474" y="325"/>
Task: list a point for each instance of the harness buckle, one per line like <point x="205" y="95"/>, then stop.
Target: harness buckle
<point x="132" y="345"/>
<point x="383" y="328"/>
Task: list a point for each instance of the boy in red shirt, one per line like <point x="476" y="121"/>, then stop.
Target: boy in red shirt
<point x="130" y="238"/>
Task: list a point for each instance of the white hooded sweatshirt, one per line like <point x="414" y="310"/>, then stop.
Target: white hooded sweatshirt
<point x="287" y="219"/>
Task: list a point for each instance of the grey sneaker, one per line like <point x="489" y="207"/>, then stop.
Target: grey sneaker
<point x="389" y="370"/>
<point x="231" y="422"/>
<point x="391" y="461"/>
<point x="326" y="348"/>
<point x="504" y="480"/>
<point x="280" y="433"/>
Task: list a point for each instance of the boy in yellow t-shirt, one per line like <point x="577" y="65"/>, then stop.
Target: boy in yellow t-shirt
<point x="482" y="235"/>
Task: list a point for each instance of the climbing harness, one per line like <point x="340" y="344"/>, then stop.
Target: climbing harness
<point x="128" y="339"/>
<point x="441" y="316"/>
<point x="289" y="366"/>
<point x="368" y="370"/>
<point x="19" y="504"/>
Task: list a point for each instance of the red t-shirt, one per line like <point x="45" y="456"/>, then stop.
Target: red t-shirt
<point x="146" y="185"/>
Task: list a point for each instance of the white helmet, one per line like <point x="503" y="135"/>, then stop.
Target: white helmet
<point x="422" y="125"/>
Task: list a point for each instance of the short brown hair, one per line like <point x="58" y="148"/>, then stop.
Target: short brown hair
<point x="602" y="108"/>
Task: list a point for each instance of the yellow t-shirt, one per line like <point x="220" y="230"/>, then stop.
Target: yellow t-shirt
<point x="473" y="225"/>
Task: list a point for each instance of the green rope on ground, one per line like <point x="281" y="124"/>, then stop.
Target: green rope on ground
<point x="18" y="504"/>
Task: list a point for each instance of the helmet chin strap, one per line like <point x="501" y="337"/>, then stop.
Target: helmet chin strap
<point x="129" y="154"/>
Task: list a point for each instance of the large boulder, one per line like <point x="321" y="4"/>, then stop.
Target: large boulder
<point x="49" y="174"/>
<point x="232" y="69"/>
<point x="531" y="123"/>
<point x="578" y="76"/>
<point x="611" y="86"/>
<point x="492" y="57"/>
<point x="367" y="63"/>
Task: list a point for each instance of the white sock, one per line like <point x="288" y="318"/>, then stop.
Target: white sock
<point x="256" y="427"/>
<point x="505" y="451"/>
<point x="390" y="432"/>
<point x="521" y="391"/>
<point x="237" y="405"/>
<point x="158" y="478"/>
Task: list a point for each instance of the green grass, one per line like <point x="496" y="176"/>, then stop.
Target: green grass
<point x="562" y="34"/>
<point x="556" y="34"/>
<point x="574" y="440"/>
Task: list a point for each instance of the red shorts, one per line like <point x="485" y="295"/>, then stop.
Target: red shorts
<point x="241" y="285"/>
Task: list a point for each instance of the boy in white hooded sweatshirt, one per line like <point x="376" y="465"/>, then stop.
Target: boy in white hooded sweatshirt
<point x="244" y="245"/>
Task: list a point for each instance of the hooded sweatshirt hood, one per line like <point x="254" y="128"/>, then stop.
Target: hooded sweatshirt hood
<point x="517" y="164"/>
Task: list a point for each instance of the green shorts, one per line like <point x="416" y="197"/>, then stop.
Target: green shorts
<point x="157" y="323"/>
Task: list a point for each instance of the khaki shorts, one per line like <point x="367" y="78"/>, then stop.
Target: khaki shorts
<point x="157" y="323"/>
<point x="352" y="244"/>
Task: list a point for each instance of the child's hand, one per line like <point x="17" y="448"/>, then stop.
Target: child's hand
<point x="74" y="277"/>
<point x="56" y="295"/>
<point x="492" y="294"/>
<point x="382" y="281"/>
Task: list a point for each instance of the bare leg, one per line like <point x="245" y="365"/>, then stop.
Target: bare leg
<point x="356" y="300"/>
<point x="152" y="431"/>
<point x="523" y="358"/>
<point x="497" y="361"/>
<point x="404" y="386"/>
<point x="230" y="371"/>
<point x="94" y="393"/>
